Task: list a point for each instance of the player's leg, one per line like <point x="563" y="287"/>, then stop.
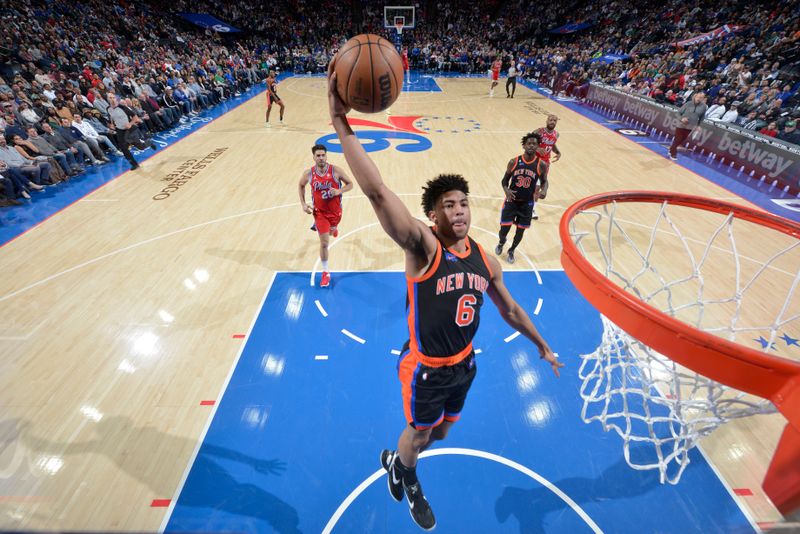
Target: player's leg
<point x="508" y="84"/>
<point x="513" y="86"/>
<point x="507" y="216"/>
<point x="269" y="108"/>
<point x="323" y="228"/>
<point x="283" y="107"/>
<point x="523" y="222"/>
<point x="423" y="408"/>
<point x="334" y="221"/>
<point x="462" y="375"/>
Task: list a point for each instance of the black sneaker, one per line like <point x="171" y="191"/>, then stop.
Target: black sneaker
<point x="498" y="249"/>
<point x="394" y="482"/>
<point x="511" y="255"/>
<point x="419" y="508"/>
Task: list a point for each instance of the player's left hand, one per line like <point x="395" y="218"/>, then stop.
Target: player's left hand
<point x="556" y="156"/>
<point x="550" y="357"/>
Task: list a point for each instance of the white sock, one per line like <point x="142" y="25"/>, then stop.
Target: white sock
<point x="325" y="266"/>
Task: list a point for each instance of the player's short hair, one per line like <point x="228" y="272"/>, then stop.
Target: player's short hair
<point x="440" y="185"/>
<point x="529" y="135"/>
<point x="319" y="146"/>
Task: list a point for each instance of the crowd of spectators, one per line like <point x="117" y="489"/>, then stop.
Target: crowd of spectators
<point x="81" y="81"/>
<point x="749" y="76"/>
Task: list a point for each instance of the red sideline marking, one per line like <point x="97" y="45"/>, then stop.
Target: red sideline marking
<point x="208" y="403"/>
<point x="743" y="492"/>
<point x="160" y="503"/>
<point x="238" y="336"/>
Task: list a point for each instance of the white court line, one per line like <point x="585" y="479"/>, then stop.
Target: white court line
<point x="512" y="336"/>
<point x="351" y="335"/>
<point x="25" y="337"/>
<point x="530" y="262"/>
<point x="139" y="244"/>
<point x="320" y="308"/>
<point x="738" y="500"/>
<point x="538" y="306"/>
<point x="464" y="452"/>
<point x="187" y="229"/>
<point x="321" y="357"/>
<point x="395" y="352"/>
<point x="211" y="415"/>
<point x="335" y="242"/>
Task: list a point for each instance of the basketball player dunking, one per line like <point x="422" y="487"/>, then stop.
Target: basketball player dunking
<point x="447" y="276"/>
<point x="496" y="65"/>
<point x="547" y="146"/>
<point x="520" y="181"/>
<point x="272" y="96"/>
<point x="328" y="182"/>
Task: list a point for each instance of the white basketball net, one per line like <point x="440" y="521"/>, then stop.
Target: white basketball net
<point x="659" y="408"/>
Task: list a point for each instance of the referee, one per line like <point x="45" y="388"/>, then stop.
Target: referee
<point x="512" y="79"/>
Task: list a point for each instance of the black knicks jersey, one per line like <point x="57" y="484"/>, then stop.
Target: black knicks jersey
<point x="444" y="304"/>
<point x="524" y="177"/>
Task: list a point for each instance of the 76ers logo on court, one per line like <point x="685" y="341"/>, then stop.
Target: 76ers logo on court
<point x="401" y="130"/>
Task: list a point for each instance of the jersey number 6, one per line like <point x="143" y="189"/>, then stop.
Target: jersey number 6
<point x="465" y="312"/>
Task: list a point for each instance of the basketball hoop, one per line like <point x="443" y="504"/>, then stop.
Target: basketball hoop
<point x="659" y="378"/>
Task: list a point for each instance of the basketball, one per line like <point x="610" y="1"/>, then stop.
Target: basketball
<point x="369" y="73"/>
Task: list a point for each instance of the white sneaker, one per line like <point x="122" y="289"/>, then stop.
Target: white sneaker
<point x="35" y="187"/>
<point x="25" y="194"/>
<point x="281" y="122"/>
<point x="268" y="125"/>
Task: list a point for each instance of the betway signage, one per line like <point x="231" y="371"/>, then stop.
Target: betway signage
<point x="765" y="157"/>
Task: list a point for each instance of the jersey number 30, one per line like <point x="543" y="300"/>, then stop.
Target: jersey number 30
<point x="465" y="312"/>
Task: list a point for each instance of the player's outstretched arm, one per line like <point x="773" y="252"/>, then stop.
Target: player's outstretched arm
<point x="515" y="315"/>
<point x="412" y="235"/>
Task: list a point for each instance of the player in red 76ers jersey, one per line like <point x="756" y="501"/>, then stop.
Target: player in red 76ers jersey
<point x="496" y="65"/>
<point x="547" y="146"/>
<point x="328" y="182"/>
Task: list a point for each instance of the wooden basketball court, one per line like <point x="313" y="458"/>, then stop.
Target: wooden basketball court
<point x="122" y="313"/>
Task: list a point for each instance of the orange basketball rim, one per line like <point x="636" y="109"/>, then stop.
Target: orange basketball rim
<point x="729" y="363"/>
